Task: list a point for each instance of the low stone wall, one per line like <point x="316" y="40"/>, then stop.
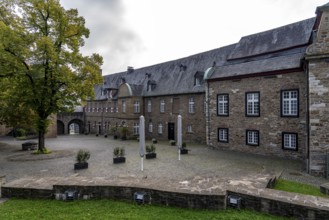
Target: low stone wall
<point x="261" y="200"/>
<point x="282" y="203"/>
<point x="158" y="197"/>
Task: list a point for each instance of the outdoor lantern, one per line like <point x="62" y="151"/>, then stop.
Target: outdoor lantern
<point x="234" y="201"/>
<point x="141" y="197"/>
<point x="71" y="195"/>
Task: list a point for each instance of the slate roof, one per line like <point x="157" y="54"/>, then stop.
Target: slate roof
<point x="277" y="49"/>
<point x="284" y="37"/>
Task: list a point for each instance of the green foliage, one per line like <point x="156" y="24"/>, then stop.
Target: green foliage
<point x="172" y="142"/>
<point x="42" y="69"/>
<point x="43" y="151"/>
<point x="150" y="148"/>
<point x="124" y="132"/>
<point x="184" y="145"/>
<point x="290" y="186"/>
<point x="109" y="209"/>
<point x="20" y="132"/>
<point x="82" y="156"/>
<point x="119" y="152"/>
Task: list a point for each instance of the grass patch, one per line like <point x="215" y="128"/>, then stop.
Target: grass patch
<point x="45" y="151"/>
<point x="290" y="186"/>
<point x="109" y="209"/>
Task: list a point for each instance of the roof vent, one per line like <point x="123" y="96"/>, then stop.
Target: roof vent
<point x="182" y="67"/>
<point x="130" y="69"/>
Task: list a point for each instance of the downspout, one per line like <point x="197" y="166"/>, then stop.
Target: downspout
<point x="308" y="159"/>
<point x="208" y="115"/>
<point x="207" y="75"/>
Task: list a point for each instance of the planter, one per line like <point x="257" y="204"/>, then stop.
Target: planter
<point x="150" y="155"/>
<point x="79" y="166"/>
<point x="119" y="160"/>
<point x="184" y="151"/>
<point x="30" y="145"/>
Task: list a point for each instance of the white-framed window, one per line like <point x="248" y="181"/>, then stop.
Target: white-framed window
<point x="149" y="105"/>
<point x="289" y="103"/>
<point x="136" y="128"/>
<point x="222" y="104"/>
<point x="289" y="141"/>
<point x="162" y="105"/>
<point x="137" y="107"/>
<point x="123" y="106"/>
<point x="189" y="129"/>
<point x="160" y="128"/>
<point x="252" y="104"/>
<point x="252" y="137"/>
<point x="191" y="105"/>
<point x="222" y="135"/>
<point x="150" y="127"/>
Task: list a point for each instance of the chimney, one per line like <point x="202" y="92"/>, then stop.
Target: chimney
<point x="130" y="69"/>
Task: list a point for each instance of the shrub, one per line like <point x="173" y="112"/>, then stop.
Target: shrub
<point x="20" y="132"/>
<point x="82" y="156"/>
<point x="150" y="148"/>
<point x="184" y="145"/>
<point x="118" y="152"/>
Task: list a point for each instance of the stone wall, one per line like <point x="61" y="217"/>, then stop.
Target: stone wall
<point x="270" y="124"/>
<point x="282" y="203"/>
<point x="4" y="130"/>
<point x="318" y="57"/>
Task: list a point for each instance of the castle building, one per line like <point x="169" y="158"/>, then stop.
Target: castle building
<point x="267" y="94"/>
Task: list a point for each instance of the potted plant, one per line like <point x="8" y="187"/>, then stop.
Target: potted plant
<point x="119" y="155"/>
<point x="183" y="149"/>
<point x="154" y="141"/>
<point x="82" y="158"/>
<point x="150" y="152"/>
<point x="172" y="142"/>
<point x="124" y="133"/>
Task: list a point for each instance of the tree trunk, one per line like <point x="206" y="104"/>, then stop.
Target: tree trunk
<point x="41" y="145"/>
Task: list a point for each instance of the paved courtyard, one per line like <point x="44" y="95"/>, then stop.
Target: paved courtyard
<point x="202" y="170"/>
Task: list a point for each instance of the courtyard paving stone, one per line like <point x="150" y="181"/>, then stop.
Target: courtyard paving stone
<point x="203" y="170"/>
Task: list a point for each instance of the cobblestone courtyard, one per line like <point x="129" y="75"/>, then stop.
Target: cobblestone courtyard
<point x="203" y="169"/>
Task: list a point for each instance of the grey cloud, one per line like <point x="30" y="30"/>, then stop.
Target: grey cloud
<point x="109" y="35"/>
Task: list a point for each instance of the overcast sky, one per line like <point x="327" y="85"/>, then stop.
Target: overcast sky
<point x="140" y="33"/>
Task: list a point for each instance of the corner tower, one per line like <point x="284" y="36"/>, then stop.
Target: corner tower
<point x="317" y="56"/>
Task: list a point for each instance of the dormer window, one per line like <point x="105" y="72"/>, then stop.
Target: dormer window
<point x="151" y="84"/>
<point x="198" y="78"/>
<point x="122" y="80"/>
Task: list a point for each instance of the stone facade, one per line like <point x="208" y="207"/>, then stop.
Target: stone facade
<point x="318" y="71"/>
<point x="285" y="70"/>
<point x="269" y="123"/>
<point x="193" y="129"/>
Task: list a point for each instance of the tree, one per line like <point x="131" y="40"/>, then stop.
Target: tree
<point x="39" y="53"/>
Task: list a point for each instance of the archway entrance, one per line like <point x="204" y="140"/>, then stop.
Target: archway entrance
<point x="75" y="127"/>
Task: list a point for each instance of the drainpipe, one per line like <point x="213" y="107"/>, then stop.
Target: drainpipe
<point x="207" y="75"/>
<point x="307" y="142"/>
<point x="208" y="112"/>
